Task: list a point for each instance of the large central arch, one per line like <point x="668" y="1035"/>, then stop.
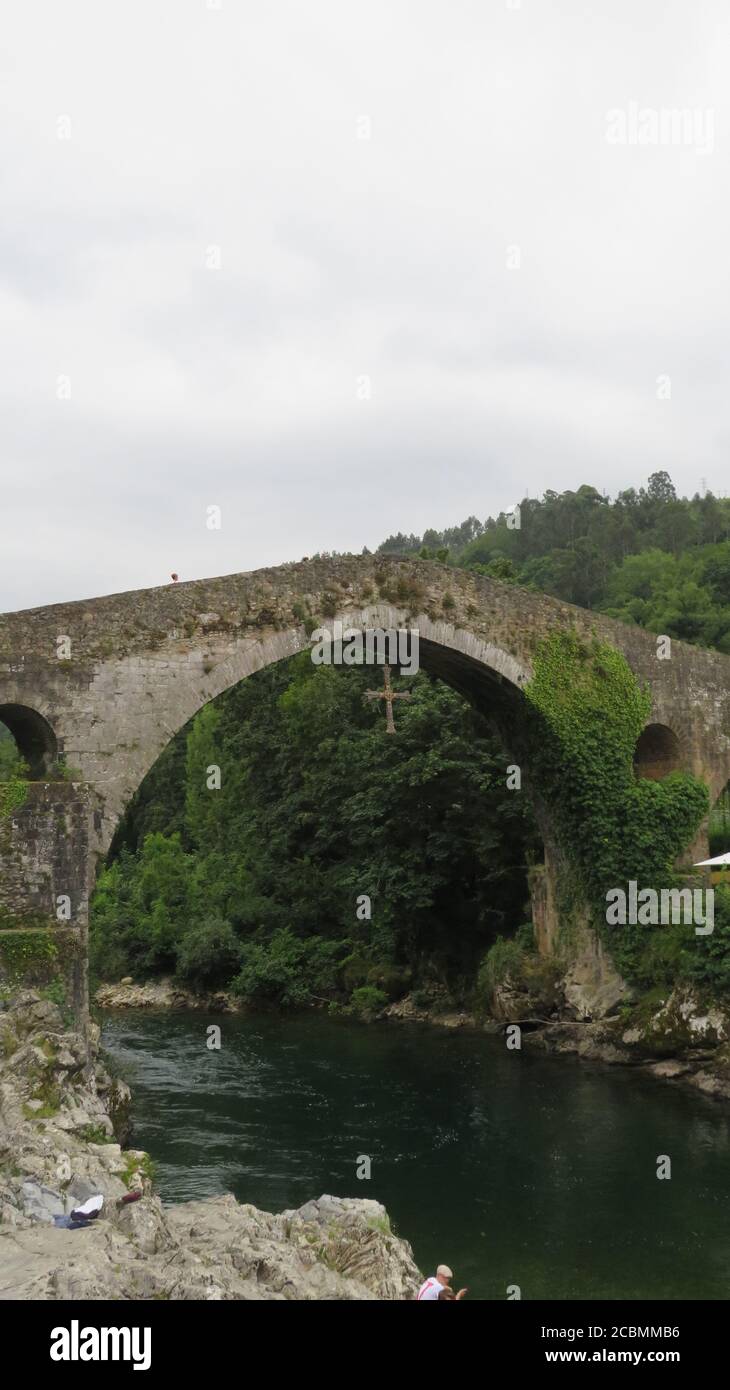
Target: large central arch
<point x="483" y="672"/>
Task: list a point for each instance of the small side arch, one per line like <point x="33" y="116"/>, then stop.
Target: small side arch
<point x="658" y="752"/>
<point x="35" y="739"/>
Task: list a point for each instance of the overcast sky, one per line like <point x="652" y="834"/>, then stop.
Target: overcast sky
<point x="143" y="141"/>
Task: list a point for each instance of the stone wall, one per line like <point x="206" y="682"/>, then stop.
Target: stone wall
<point x="48" y="845"/>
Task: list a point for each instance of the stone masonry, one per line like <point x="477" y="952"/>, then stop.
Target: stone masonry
<point x="103" y="685"/>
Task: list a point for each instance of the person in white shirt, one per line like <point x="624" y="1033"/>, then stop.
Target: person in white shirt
<point x="431" y="1287"/>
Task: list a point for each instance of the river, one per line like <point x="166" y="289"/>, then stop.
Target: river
<point x="510" y="1167"/>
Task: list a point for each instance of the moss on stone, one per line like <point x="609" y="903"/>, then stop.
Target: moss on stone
<point x="27" y="954"/>
<point x="32" y="920"/>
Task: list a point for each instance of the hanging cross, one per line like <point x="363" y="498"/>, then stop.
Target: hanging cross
<point x="389" y="695"/>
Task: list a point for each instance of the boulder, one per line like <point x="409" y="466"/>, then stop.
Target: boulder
<point x="592" y="986"/>
<point x="40" y="1202"/>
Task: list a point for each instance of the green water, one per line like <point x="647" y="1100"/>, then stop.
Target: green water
<point x="513" y="1169"/>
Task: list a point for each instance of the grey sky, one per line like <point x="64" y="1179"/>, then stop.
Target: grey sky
<point x="341" y="257"/>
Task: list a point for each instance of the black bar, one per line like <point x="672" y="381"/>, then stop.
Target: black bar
<point x="210" y="1340"/>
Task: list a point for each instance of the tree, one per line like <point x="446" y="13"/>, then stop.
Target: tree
<point x="716" y="572"/>
<point x="316" y="809"/>
<point x="660" y="488"/>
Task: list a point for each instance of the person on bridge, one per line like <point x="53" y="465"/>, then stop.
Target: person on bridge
<point x="430" y="1289"/>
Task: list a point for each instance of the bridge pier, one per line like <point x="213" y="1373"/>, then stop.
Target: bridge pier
<point x="565" y="932"/>
<point x="49" y="842"/>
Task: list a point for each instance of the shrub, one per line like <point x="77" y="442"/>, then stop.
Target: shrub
<point x="209" y="955"/>
<point x="55" y="993"/>
<point x="287" y="970"/>
<point x="709" y="956"/>
<point x="406" y="589"/>
<point x="504" y="960"/>
<point x="516" y="960"/>
<point x="368" y="1000"/>
<point x="388" y="979"/>
<point x="108" y="959"/>
<point x="354" y="971"/>
<point x="422" y="998"/>
<point x="61" y="772"/>
<point x="665" y="958"/>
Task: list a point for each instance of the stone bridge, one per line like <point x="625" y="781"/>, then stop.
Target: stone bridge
<point x="102" y="685"/>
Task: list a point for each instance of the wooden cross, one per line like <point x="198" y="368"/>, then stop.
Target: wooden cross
<point x="389" y="695"/>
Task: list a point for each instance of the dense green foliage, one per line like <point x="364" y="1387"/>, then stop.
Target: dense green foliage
<point x="317" y="807"/>
<point x="617" y="826"/>
<point x="647" y="557"/>
<point x="708" y="962"/>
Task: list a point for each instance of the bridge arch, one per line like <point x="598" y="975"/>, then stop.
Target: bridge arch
<point x="658" y="752"/>
<point x="482" y="671"/>
<point x="35" y="740"/>
<point x="488" y="687"/>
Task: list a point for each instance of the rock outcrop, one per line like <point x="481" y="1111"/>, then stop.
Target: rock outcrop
<point x="680" y="1038"/>
<point x="164" y="993"/>
<point x="58" y="1147"/>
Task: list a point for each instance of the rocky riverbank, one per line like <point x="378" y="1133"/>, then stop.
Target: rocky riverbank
<point x="679" y="1039"/>
<point x="163" y="993"/>
<point x="63" y="1123"/>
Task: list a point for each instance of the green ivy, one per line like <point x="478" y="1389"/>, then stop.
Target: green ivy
<point x="588" y="712"/>
<point x="12" y="795"/>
